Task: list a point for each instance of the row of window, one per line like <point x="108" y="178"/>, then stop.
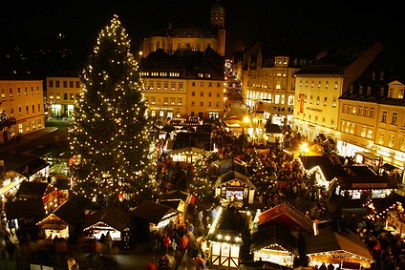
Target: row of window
<point x="28" y="126"/>
<point x="27" y="110"/>
<point x="269" y="98"/>
<point x="209" y="94"/>
<point x="316" y="120"/>
<point x="66" y="96"/>
<point x="394" y="117"/>
<point x="318" y="100"/>
<point x="26" y="91"/>
<point x="65" y="83"/>
<point x="319" y="84"/>
<point x="358" y="110"/>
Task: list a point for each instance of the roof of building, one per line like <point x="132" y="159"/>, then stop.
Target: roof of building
<point x="276" y="236"/>
<point x="31" y="208"/>
<point x="111" y="215"/>
<point x="231" y="176"/>
<point x="153" y="212"/>
<point x="287" y="216"/>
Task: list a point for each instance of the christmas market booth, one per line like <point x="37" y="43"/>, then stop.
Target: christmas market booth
<point x="390" y="212"/>
<point x="274" y="244"/>
<point x="225" y="237"/>
<point x="24" y="214"/>
<point x="110" y="219"/>
<point x="178" y="200"/>
<point x="65" y="220"/>
<point x="149" y="216"/>
<point x="235" y="186"/>
<point x="188" y="155"/>
<point x="276" y="239"/>
<point x="10" y="182"/>
<point x="335" y="244"/>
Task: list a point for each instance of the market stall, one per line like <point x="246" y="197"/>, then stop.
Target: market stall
<point x="62" y="221"/>
<point x="155" y="214"/>
<point x="274" y="244"/>
<point x="109" y="219"/>
<point x="343" y="249"/>
<point x="225" y="239"/>
<point x="178" y="200"/>
<point x="234" y="186"/>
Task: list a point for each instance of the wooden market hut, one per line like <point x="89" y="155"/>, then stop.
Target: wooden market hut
<point x="275" y="244"/>
<point x="24" y="214"/>
<point x="339" y="246"/>
<point x="66" y="220"/>
<point x="287" y="216"/>
<point x="149" y="216"/>
<point x="178" y="200"/>
<point x="233" y="186"/>
<point x="109" y="219"/>
<point x="225" y="237"/>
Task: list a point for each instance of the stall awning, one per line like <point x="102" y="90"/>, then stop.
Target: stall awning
<point x="111" y="215"/>
<point x="153" y="212"/>
<point x="389" y="167"/>
<point x="366" y="182"/>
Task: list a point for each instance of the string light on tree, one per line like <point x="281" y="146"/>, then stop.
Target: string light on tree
<point x="110" y="132"/>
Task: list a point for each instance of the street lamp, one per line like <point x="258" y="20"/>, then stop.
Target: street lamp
<point x="246" y="121"/>
<point x="304" y="150"/>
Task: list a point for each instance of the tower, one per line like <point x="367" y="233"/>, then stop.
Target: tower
<point x="218" y="22"/>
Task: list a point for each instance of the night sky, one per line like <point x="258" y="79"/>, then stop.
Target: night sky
<point x="313" y="24"/>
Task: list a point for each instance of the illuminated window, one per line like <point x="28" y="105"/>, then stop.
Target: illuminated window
<point x="325" y="101"/>
<point x="394" y="118"/>
<point x="384" y="117"/>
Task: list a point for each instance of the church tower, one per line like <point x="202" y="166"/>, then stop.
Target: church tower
<point x="218" y="22"/>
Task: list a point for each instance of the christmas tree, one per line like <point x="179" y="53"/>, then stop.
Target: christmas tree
<point x="110" y="135"/>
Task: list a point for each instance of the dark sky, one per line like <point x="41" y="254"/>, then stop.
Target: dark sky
<point x="301" y="23"/>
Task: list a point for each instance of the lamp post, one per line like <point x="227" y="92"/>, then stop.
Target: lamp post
<point x="304" y="150"/>
<point x="246" y="121"/>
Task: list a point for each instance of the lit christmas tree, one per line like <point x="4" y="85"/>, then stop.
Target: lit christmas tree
<point x="110" y="135"/>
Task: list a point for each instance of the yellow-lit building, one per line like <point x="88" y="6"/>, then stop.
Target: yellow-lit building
<point x="187" y="83"/>
<point x="22" y="107"/>
<point x="61" y="93"/>
<point x="196" y="39"/>
<point x="268" y="78"/>
<point x="319" y="86"/>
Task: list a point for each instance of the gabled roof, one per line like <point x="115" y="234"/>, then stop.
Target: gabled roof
<point x="69" y="213"/>
<point x="348" y="242"/>
<point x="32" y="166"/>
<point x="31" y="190"/>
<point x="112" y="215"/>
<point x="175" y="195"/>
<point x="31" y="208"/>
<point x="329" y="169"/>
<point x="276" y="236"/>
<point x="366" y="182"/>
<point x="234" y="176"/>
<point x="153" y="212"/>
<point x="287" y="216"/>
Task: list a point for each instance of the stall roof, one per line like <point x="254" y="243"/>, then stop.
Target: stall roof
<point x="287" y="216"/>
<point x="273" y="129"/>
<point x="69" y="213"/>
<point x="223" y="161"/>
<point x="32" y="166"/>
<point x="276" y="235"/>
<point x="175" y="194"/>
<point x="31" y="208"/>
<point x="112" y="215"/>
<point x="388" y="167"/>
<point x="366" y="182"/>
<point x="31" y="190"/>
<point x="329" y="169"/>
<point x="194" y="150"/>
<point x="234" y="176"/>
<point x="153" y="212"/>
<point x="348" y="242"/>
<point x="383" y="204"/>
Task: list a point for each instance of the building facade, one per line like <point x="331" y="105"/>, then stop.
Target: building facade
<point x="186" y="84"/>
<point x="268" y="78"/>
<point x="22" y="108"/>
<point x="61" y="93"/>
<point x="319" y="86"/>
